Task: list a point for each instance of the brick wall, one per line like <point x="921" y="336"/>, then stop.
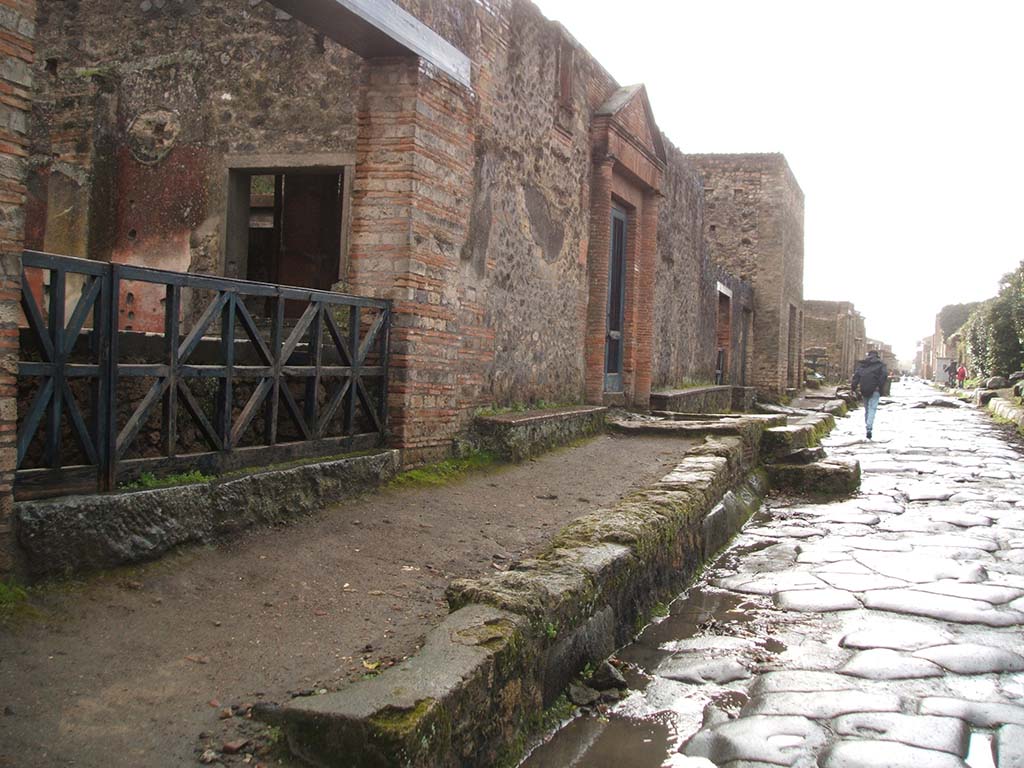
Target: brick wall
<point x="17" y="31"/>
<point x="754" y="227"/>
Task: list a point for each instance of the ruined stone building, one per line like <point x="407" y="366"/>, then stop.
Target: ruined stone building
<point x="886" y="353"/>
<point x="834" y="330"/>
<point x="754" y="225"/>
<point x="538" y="236"/>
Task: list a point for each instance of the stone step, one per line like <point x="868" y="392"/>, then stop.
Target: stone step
<point x="520" y="436"/>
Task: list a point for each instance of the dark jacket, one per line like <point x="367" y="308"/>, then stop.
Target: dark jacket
<point x="870" y="375"/>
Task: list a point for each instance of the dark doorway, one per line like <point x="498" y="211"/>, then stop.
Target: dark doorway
<point x="286" y="227"/>
<point x="793" y="353"/>
<point x="724" y="337"/>
<point x="295" y="230"/>
<point x="616" y="303"/>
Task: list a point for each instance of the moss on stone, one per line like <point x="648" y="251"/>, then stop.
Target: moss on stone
<point x="397" y="724"/>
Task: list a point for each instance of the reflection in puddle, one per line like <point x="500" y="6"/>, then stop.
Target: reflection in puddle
<point x="647" y="728"/>
<point x="597" y="743"/>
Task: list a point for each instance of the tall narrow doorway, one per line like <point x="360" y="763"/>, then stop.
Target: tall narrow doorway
<point x="616" y="303"/>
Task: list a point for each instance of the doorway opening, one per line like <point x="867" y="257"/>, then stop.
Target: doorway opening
<point x="613" y="348"/>
<point x="286" y="227"/>
<point x="723" y="334"/>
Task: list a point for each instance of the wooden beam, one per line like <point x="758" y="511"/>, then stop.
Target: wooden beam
<point x="380" y="28"/>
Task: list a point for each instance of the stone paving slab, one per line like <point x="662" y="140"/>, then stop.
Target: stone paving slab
<point x="887" y="664"/>
<point x="836" y="703"/>
<point x="773" y="740"/>
<point x="981" y="714"/>
<point x="944" y="734"/>
<point x="1008" y="747"/>
<point x="892" y="620"/>
<point x="886" y="754"/>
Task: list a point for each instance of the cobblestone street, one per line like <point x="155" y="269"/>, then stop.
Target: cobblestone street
<point x="884" y="630"/>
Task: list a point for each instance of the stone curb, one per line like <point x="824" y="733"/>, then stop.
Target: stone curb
<point x="536" y="626"/>
<point x="1007" y="410"/>
<point x="80" y="533"/>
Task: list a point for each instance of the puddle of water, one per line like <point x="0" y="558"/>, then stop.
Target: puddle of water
<point x="597" y="743"/>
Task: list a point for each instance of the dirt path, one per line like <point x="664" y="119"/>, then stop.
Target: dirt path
<point x="141" y="667"/>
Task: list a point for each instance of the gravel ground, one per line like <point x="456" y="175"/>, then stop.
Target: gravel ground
<point x="152" y="666"/>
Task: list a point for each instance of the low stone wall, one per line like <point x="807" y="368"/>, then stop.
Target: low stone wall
<point x="79" y="533"/>
<point x="520" y="436"/>
<point x="515" y="639"/>
<point x="704" y="400"/>
<point x="1006" y="409"/>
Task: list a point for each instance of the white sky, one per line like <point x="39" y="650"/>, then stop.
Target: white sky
<point x="902" y="120"/>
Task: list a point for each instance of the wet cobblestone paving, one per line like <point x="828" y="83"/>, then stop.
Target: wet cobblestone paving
<point x="884" y="630"/>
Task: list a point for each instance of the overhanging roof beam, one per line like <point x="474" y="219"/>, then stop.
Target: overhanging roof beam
<point x="377" y="28"/>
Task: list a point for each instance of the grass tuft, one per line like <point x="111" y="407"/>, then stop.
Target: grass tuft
<point x="148" y="481"/>
<point x="447" y="471"/>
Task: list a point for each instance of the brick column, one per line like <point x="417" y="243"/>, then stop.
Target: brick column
<point x="17" y="24"/>
<point x="413" y="165"/>
<point x="648" y="248"/>
<point x="597" y="277"/>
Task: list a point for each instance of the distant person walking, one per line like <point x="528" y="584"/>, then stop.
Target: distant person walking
<point x="961" y="374"/>
<point x="869" y="377"/>
<point x="951" y="373"/>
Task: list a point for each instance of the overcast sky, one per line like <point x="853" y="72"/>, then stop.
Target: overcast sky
<point x="902" y="120"/>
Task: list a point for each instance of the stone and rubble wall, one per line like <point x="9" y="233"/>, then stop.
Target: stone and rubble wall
<point x="17" y="32"/>
<point x="838" y="328"/>
<point x="754" y="227"/>
<point x="470" y="208"/>
<point x="685" y="298"/>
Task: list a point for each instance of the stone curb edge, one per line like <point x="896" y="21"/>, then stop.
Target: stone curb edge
<point x="479" y="687"/>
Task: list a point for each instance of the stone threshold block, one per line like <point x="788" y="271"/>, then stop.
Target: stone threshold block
<point x="820" y="479"/>
<point x="81" y="533"/>
<point x="704" y="399"/>
<point x="521" y="436"/>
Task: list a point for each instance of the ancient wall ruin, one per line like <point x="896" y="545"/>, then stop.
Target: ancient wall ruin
<point x="754" y="227"/>
<point x="469" y="208"/>
<point x="837" y="329"/>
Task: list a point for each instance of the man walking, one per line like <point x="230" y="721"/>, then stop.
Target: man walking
<point x="871" y="373"/>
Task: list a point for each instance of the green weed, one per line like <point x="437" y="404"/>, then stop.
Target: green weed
<point x="447" y="471"/>
<point x="13" y="600"/>
<point x="148" y="481"/>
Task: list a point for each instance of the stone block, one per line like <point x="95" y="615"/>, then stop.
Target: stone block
<point x="520" y="436"/>
<point x="821" y="479"/>
<point x="79" y="533"/>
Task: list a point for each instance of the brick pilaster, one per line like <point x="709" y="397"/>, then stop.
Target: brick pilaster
<point x="648" y="248"/>
<point x="597" y="276"/>
<point x="414" y="162"/>
<point x="17" y="25"/>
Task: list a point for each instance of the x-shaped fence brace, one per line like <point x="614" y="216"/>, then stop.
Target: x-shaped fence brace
<point x="280" y="361"/>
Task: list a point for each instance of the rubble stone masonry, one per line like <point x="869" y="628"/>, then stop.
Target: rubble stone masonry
<point x="838" y="329"/>
<point x="754" y="212"/>
<point x="17" y="30"/>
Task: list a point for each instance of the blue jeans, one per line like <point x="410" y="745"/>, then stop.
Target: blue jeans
<point x="870" y="406"/>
